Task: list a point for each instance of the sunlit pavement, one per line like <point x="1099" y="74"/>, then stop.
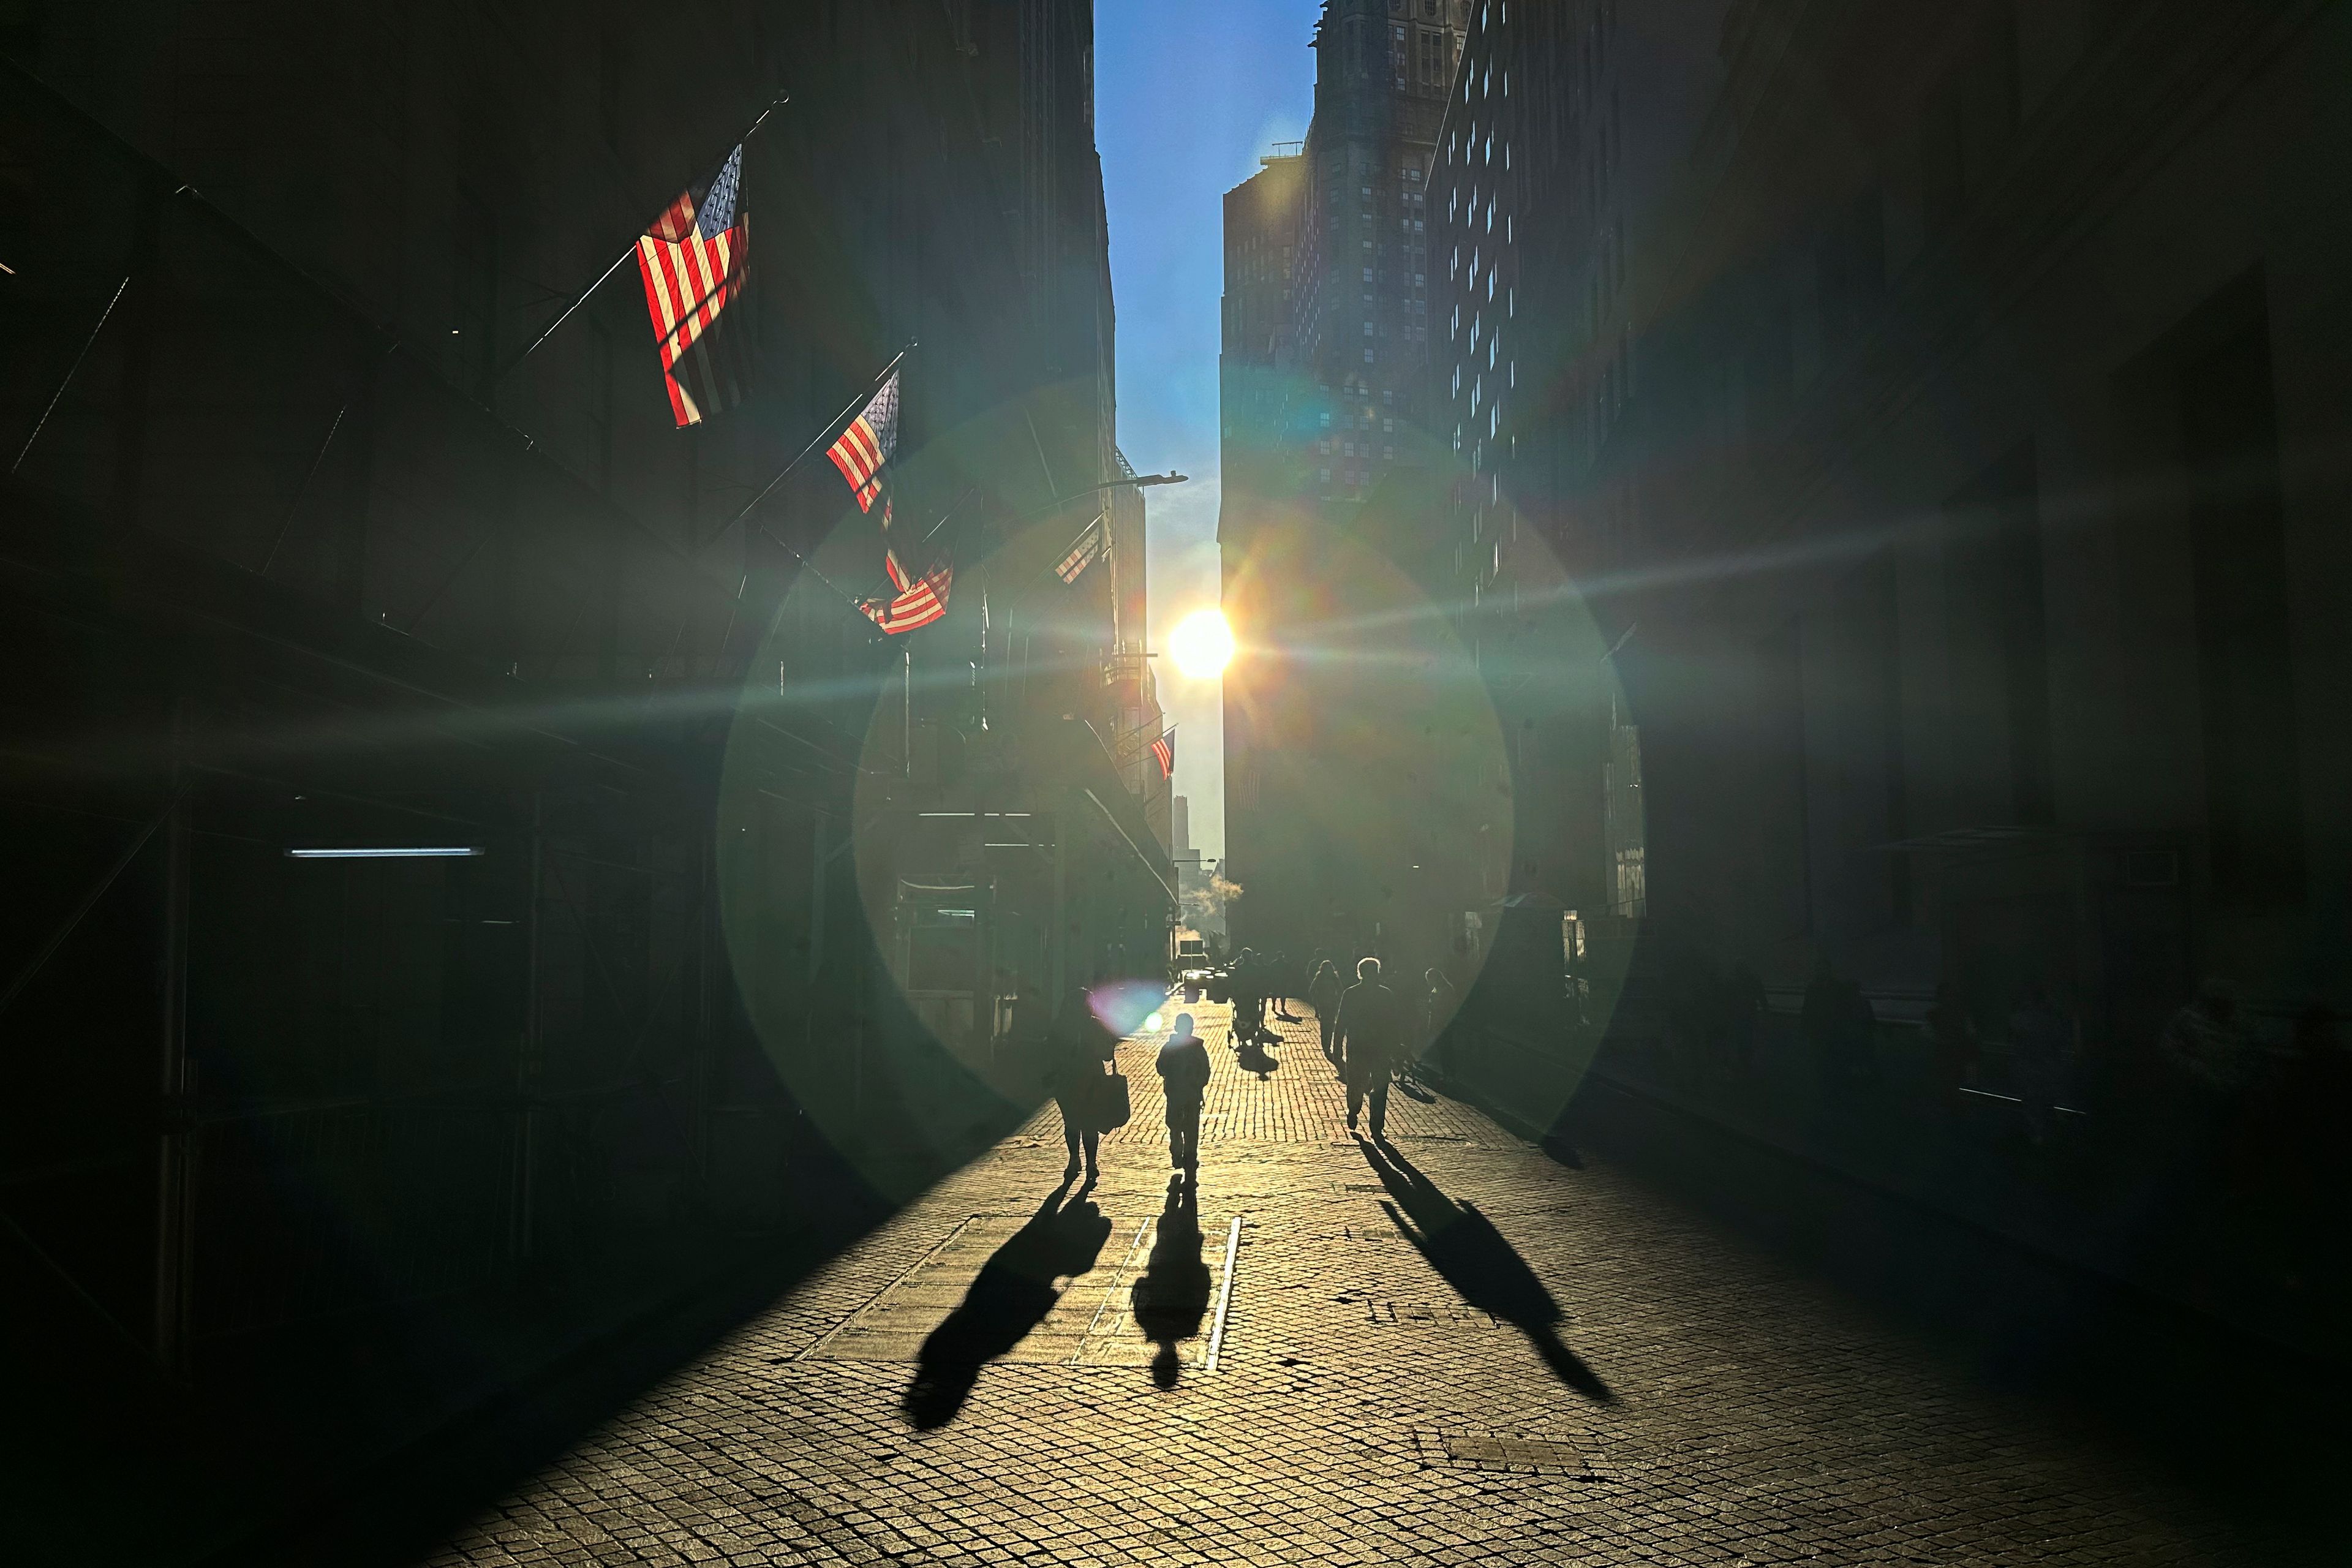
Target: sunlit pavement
<point x="1463" y="1351"/>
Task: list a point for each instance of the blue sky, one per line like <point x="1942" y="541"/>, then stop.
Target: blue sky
<point x="1186" y="97"/>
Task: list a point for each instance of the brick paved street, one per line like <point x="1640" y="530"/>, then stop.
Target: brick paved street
<point x="1467" y="1353"/>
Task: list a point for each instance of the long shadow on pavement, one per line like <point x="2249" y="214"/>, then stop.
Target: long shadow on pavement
<point x="1009" y="1297"/>
<point x="1172" y="1297"/>
<point x="1463" y="1246"/>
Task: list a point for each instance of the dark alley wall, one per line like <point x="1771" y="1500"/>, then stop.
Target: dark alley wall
<point x="305" y="553"/>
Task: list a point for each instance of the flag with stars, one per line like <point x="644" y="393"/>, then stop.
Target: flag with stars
<point x="694" y="260"/>
<point x="868" y="444"/>
<point x="1163" y="751"/>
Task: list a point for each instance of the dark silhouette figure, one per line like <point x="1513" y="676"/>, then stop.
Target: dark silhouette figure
<point x="1248" y="981"/>
<point x="1252" y="1057"/>
<point x="1078" y="1045"/>
<point x="1283" y="985"/>
<point x="1172" y="1297"/>
<point x="1012" y="1294"/>
<point x="1371" y="1032"/>
<point x="1184" y="1071"/>
<point x="1323" y="993"/>
<point x="1487" y="1271"/>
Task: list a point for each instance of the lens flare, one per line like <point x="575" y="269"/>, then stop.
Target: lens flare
<point x="1203" y="645"/>
<point x="1126" y="1007"/>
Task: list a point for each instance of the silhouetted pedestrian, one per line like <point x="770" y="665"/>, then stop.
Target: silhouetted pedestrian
<point x="1184" y="1073"/>
<point x="1370" y="1031"/>
<point x="1323" y="994"/>
<point x="1075" y="1054"/>
<point x="1248" y="980"/>
<point x="1436" y="1006"/>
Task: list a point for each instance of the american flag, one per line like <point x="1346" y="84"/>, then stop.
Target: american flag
<point x="869" y="443"/>
<point x="695" y="259"/>
<point x="1084" y="553"/>
<point x="1164" y="751"/>
<point x="916" y="602"/>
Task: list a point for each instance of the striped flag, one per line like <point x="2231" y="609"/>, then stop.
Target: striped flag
<point x="869" y="444"/>
<point x="1091" y="548"/>
<point x="916" y="602"/>
<point x="694" y="260"/>
<point x="1163" y="749"/>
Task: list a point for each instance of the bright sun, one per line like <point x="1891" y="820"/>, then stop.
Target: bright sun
<point x="1203" y="645"/>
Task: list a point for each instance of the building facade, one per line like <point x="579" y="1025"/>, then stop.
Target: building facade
<point x="1918" y="400"/>
<point x="1565" y="131"/>
<point x="1326" y="340"/>
<point x="741" y="890"/>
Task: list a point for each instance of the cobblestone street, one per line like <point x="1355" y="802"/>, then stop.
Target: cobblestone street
<point x="1466" y="1351"/>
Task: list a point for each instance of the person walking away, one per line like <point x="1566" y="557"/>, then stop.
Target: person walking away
<point x="1436" y="1006"/>
<point x="1079" y="1046"/>
<point x="1184" y="1074"/>
<point x="1285" y="986"/>
<point x="1249" y="997"/>
<point x="1323" y="994"/>
<point x="1370" y="1029"/>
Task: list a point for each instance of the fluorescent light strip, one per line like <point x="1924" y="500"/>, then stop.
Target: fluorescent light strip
<point x="401" y="852"/>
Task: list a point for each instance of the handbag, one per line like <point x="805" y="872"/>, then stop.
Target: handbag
<point x="1111" y="1105"/>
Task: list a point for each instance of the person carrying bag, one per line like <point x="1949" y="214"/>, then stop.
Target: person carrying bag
<point x="1077" y="1048"/>
<point x="1112" y="1103"/>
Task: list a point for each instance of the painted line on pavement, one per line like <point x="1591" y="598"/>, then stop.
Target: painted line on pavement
<point x="1224" y="1296"/>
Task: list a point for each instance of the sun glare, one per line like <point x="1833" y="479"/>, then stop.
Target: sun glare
<point x="1203" y="645"/>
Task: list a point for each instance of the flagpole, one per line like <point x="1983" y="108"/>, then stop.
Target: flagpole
<point x="618" y="262"/>
<point x="601" y="279"/>
<point x="820" y="438"/>
<point x="71" y="372"/>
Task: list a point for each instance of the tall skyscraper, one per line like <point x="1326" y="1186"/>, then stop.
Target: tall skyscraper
<point x="1325" y="347"/>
